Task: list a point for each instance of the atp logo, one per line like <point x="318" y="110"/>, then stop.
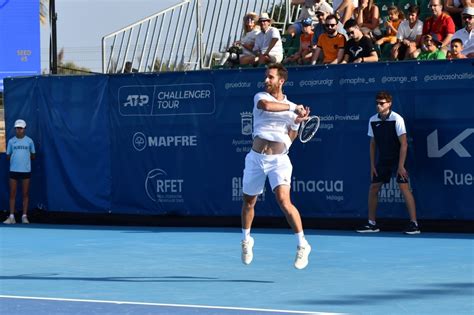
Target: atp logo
<point x="456" y="144"/>
<point x="139" y="141"/>
<point x="3" y="3"/>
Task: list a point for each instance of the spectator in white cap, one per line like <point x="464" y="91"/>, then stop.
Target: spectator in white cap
<point x="466" y="34"/>
<point x="20" y="152"/>
<point x="268" y="47"/>
<point x="309" y="9"/>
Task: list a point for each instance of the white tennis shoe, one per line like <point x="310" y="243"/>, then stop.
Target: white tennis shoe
<point x="24" y="219"/>
<point x="10" y="220"/>
<point x="247" y="251"/>
<point x="302" y="254"/>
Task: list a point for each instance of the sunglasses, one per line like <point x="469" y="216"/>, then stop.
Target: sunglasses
<point x="380" y="102"/>
<point x="466" y="17"/>
<point x="330" y="25"/>
<point x="351" y="33"/>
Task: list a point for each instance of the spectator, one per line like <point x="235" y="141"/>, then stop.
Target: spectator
<point x="246" y="43"/>
<point x="408" y="35"/>
<point x="455" y="8"/>
<point x="466" y="34"/>
<point x="439" y="23"/>
<point x="319" y="28"/>
<point x="20" y="152"/>
<point x="268" y="47"/>
<point x="367" y="16"/>
<point x="388" y="138"/>
<point x="430" y="50"/>
<point x="395" y="17"/>
<point x="309" y="8"/>
<point x="330" y="44"/>
<point x="344" y="9"/>
<point x="456" y="50"/>
<point x="305" y="52"/>
<point x="359" y="48"/>
<point x="128" y="68"/>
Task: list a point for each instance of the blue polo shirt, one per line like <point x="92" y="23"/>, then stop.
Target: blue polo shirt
<point x="20" y="151"/>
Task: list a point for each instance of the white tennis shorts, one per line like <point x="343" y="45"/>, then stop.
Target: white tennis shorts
<point x="258" y="166"/>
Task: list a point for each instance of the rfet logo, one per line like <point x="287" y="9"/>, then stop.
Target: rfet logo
<point x="160" y="188"/>
<point x="434" y="151"/>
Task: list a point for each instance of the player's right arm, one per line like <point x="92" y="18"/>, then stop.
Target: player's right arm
<point x="271" y="106"/>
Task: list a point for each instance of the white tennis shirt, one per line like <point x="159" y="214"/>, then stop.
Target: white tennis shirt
<point x="272" y="126"/>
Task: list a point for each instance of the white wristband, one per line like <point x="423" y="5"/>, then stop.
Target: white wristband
<point x="292" y="107"/>
<point x="295" y="127"/>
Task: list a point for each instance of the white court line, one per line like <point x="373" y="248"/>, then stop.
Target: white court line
<point x="168" y="305"/>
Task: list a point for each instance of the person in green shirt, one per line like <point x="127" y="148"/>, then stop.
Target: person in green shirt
<point x="430" y="50"/>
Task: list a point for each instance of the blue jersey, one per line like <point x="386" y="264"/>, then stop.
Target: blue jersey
<point x="20" y="151"/>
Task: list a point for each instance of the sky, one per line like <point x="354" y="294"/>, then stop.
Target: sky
<point x="81" y="25"/>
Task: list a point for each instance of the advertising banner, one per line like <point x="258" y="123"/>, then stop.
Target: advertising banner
<point x="175" y="143"/>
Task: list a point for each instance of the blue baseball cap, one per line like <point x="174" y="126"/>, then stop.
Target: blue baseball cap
<point x="307" y="22"/>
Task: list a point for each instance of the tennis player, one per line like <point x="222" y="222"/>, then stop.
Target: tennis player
<point x="275" y="125"/>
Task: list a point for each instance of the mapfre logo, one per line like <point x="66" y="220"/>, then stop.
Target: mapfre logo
<point x="434" y="151"/>
<point x="140" y="141"/>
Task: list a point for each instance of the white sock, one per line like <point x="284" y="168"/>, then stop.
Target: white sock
<point x="372" y="222"/>
<point x="245" y="234"/>
<point x="301" y="239"/>
<point x="23" y="216"/>
<point x="416" y="223"/>
<point x="12" y="215"/>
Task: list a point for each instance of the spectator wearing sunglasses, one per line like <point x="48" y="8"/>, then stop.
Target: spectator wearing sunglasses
<point x="359" y="48"/>
<point x="440" y="23"/>
<point x="466" y="34"/>
<point x="330" y="44"/>
<point x="429" y="48"/>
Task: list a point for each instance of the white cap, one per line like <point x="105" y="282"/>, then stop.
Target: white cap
<point x="20" y="123"/>
<point x="468" y="10"/>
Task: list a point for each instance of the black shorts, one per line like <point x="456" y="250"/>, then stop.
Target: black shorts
<point x="20" y="175"/>
<point x="385" y="171"/>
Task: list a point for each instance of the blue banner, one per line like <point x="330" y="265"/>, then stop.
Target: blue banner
<point x="175" y="143"/>
<point x="19" y="38"/>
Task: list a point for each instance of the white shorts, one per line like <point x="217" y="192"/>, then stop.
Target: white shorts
<point x="258" y="166"/>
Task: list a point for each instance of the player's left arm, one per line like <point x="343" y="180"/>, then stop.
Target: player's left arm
<point x="403" y="155"/>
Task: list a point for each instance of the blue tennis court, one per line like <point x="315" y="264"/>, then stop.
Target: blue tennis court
<point x="67" y="269"/>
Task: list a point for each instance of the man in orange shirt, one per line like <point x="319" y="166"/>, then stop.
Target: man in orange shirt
<point x="331" y="43"/>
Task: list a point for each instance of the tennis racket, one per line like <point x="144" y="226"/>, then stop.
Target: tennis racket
<point x="308" y="128"/>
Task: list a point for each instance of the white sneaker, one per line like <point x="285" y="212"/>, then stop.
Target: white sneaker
<point x="302" y="254"/>
<point x="247" y="251"/>
<point x="24" y="219"/>
<point x="10" y="220"/>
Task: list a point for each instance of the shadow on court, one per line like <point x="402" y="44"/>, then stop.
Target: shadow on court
<point x="438" y="290"/>
<point x="56" y="277"/>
